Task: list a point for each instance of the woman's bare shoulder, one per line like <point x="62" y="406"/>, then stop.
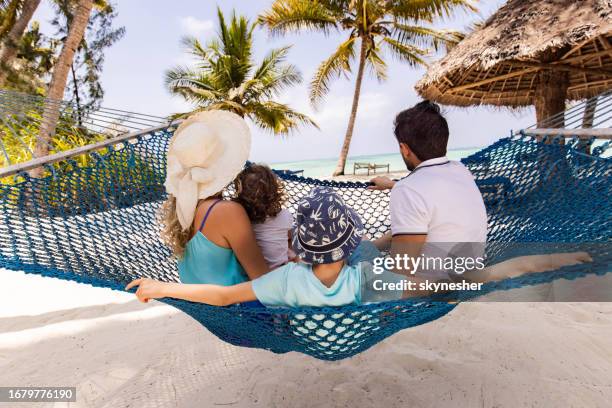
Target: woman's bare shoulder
<point x="234" y="217"/>
<point x="225" y="209"/>
<point x="228" y="207"/>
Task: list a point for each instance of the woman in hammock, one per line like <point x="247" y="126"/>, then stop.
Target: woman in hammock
<point x="212" y="238"/>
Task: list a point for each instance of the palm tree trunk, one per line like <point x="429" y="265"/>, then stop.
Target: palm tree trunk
<point x="60" y="76"/>
<point x="9" y="48"/>
<point x="351" y="124"/>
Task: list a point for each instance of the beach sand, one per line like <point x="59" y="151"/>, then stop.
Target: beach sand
<point x="120" y="353"/>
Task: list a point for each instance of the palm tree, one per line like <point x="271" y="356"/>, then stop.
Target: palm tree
<point x="14" y="32"/>
<point x="374" y="27"/>
<point x="227" y="78"/>
<point x="60" y="75"/>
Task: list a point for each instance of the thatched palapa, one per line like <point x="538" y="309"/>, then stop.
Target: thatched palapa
<point x="529" y="53"/>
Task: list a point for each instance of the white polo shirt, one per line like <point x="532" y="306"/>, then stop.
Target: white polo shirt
<point x="439" y="198"/>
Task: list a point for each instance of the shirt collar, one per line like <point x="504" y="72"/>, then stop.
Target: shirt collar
<point x="435" y="160"/>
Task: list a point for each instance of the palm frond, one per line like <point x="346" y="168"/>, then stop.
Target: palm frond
<point x="285" y="77"/>
<point x="339" y="62"/>
<point x="376" y="63"/>
<point x="191" y="85"/>
<point x="181" y="76"/>
<point x="236" y="38"/>
<point x="422" y="36"/>
<point x="275" y="82"/>
<point x="453" y="38"/>
<point x="295" y="15"/>
<point x="194" y="47"/>
<point x="338" y="7"/>
<point x="427" y="10"/>
<point x="273" y="75"/>
<point x="271" y="61"/>
<point x="277" y="117"/>
<point x="406" y="53"/>
<point x="229" y="105"/>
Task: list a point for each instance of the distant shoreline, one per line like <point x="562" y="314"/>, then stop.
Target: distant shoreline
<point x="323" y="168"/>
<point x="458" y="149"/>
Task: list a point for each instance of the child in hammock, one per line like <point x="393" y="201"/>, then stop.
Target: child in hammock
<point x="261" y="194"/>
<point x="326" y="234"/>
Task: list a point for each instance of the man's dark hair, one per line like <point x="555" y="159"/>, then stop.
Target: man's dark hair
<point x="423" y="129"/>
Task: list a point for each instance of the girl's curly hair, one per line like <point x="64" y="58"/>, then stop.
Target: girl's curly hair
<point x="260" y="192"/>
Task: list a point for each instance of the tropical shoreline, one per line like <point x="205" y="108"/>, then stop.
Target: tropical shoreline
<point x="323" y="168"/>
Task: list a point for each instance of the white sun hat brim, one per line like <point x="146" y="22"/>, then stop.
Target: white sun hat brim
<point x="206" y="152"/>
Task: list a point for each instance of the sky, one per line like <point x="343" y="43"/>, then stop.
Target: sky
<point x="134" y="71"/>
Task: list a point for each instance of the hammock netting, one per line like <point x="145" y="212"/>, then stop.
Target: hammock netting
<point x="97" y="224"/>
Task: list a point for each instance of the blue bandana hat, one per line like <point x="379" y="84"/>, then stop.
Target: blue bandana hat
<point x="327" y="230"/>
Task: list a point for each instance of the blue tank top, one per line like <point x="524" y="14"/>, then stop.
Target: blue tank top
<point x="206" y="262"/>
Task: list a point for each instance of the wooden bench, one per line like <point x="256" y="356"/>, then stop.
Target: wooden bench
<point x="369" y="166"/>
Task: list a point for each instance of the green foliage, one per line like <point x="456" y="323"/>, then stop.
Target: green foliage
<point x="226" y="77"/>
<point x="85" y="184"/>
<point x="19" y="133"/>
<point x="38" y="52"/>
<point x="9" y="10"/>
<point x="397" y="28"/>
<point x="84" y="87"/>
<point x="34" y="62"/>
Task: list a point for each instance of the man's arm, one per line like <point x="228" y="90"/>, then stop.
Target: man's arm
<point x="381" y="183"/>
<point x="410" y="245"/>
<point x="383" y="243"/>
<point x="202" y="293"/>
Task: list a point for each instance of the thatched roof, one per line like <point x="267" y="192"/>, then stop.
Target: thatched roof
<point x="497" y="64"/>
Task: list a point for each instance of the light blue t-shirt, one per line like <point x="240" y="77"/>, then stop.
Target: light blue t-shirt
<point x="295" y="284"/>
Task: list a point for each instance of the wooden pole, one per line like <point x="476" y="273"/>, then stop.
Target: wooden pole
<point x="550" y="96"/>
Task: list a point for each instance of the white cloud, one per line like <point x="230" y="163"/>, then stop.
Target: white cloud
<point x="194" y="26"/>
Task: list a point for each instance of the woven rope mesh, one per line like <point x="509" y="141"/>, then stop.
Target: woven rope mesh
<point x="97" y="225"/>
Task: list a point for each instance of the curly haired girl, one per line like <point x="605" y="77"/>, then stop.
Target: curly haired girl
<point x="261" y="194"/>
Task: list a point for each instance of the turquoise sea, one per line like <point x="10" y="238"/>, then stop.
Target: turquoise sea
<point x="325" y="167"/>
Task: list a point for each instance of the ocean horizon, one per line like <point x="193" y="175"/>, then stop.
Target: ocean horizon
<point x="324" y="167"/>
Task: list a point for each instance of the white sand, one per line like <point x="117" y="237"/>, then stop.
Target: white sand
<point x="119" y="353"/>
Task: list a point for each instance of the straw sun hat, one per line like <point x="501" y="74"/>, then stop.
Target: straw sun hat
<point x="206" y="153"/>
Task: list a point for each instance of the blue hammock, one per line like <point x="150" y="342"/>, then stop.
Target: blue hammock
<point x="96" y="224"/>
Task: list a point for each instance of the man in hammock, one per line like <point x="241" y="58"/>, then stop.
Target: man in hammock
<point x="438" y="205"/>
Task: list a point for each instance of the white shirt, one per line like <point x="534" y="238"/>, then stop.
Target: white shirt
<point x="272" y="236"/>
<point x="439" y="198"/>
